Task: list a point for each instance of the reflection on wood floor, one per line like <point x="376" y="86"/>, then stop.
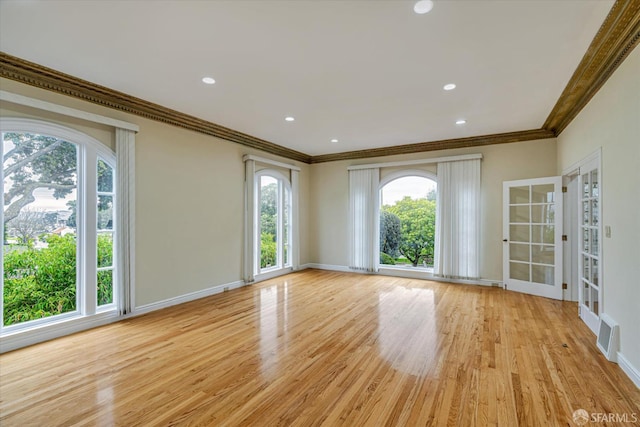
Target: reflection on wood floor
<point x="324" y="348"/>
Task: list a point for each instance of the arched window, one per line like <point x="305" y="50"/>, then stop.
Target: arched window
<point x="407" y="219"/>
<point x="59" y="224"/>
<point x="273" y="217"/>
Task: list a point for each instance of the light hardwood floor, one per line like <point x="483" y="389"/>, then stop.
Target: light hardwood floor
<point x="324" y="348"/>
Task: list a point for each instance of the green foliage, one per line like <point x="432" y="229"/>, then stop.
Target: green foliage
<point x="386" y="259"/>
<point x="42" y="283"/>
<point x="417" y="219"/>
<point x="268" y="208"/>
<point x="268" y="224"/>
<point x="268" y="250"/>
<point x="390" y="235"/>
<point x="105" y="277"/>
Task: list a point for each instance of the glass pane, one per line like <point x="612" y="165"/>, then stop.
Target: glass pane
<point x="594" y="212"/>
<point x="105" y="177"/>
<point x="594" y="241"/>
<point x="105" y="212"/>
<point x="519" y="271"/>
<point x="285" y="227"/>
<point x="594" y="300"/>
<point x="542" y="193"/>
<point x="543" y="214"/>
<point x="518" y="195"/>
<point x="594" y="272"/>
<point x="585" y="213"/>
<point x="594" y="183"/>
<point x="519" y="252"/>
<point x="519" y="233"/>
<point x="105" y="287"/>
<point x="105" y="250"/>
<point x="586" y="262"/>
<point x="586" y="189"/>
<point x="519" y="213"/>
<point x="40" y="237"/>
<point x="543" y="233"/>
<point x="586" y="294"/>
<point x="543" y="254"/>
<point x="268" y="221"/>
<point x="542" y="274"/>
<point x="585" y="240"/>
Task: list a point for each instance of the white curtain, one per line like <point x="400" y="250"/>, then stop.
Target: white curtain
<point x="295" y="220"/>
<point x="250" y="226"/>
<point x="457" y="243"/>
<point x="364" y="222"/>
<point x="125" y="217"/>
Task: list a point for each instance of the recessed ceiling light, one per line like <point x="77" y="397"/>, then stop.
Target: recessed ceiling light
<point x="423" y="6"/>
<point x="334" y="140"/>
<point x="208" y="80"/>
<point x="449" y="86"/>
<point x="289" y="119"/>
<point x="461" y="122"/>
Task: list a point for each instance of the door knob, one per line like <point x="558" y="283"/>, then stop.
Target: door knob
<point x="504" y="240"/>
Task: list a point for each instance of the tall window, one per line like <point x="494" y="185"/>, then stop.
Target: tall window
<point x="407" y="220"/>
<point x="58" y="195"/>
<point x="273" y="191"/>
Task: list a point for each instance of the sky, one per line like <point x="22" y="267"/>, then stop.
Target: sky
<point x="414" y="186"/>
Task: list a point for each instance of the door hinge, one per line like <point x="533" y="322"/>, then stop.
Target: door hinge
<point x="564" y="189"/>
<point x="564" y="286"/>
<point x="564" y="237"/>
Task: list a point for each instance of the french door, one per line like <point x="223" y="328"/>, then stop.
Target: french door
<point x="532" y="230"/>
<point x="590" y="283"/>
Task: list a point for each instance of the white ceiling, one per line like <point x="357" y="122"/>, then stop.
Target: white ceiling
<point x="369" y="73"/>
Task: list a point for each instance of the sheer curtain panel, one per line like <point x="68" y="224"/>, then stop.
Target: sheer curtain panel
<point x="364" y="222"/>
<point x="125" y="217"/>
<point x="457" y="242"/>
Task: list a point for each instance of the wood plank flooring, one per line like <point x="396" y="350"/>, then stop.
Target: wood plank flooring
<point x="324" y="348"/>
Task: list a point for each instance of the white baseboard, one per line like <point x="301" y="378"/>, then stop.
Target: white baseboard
<point x="329" y="267"/>
<point x="49" y="331"/>
<point x="399" y="272"/>
<point x="147" y="308"/>
<point x="631" y="371"/>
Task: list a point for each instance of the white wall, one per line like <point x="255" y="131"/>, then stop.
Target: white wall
<point x="189" y="199"/>
<point x="611" y="121"/>
<point x="504" y="162"/>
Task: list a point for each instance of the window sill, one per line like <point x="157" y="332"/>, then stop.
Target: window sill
<point x="271" y="273"/>
<point x="22" y="337"/>
<point x="406" y="271"/>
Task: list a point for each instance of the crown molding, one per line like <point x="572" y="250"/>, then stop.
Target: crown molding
<point x="42" y="77"/>
<point x="615" y="39"/>
<point x="473" y="141"/>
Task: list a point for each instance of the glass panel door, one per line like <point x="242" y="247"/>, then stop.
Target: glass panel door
<point x="589" y="260"/>
<point x="533" y="252"/>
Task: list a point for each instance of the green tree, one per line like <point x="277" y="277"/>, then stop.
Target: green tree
<point x="417" y="219"/>
<point x="390" y="234"/>
<point x="34" y="161"/>
<point x="268" y="208"/>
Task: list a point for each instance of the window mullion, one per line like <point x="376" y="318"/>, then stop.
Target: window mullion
<point x="88" y="233"/>
<point x="279" y="212"/>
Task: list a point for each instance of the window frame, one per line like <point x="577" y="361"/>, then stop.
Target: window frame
<point x="389" y="178"/>
<point x="89" y="151"/>
<point x="284" y="191"/>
